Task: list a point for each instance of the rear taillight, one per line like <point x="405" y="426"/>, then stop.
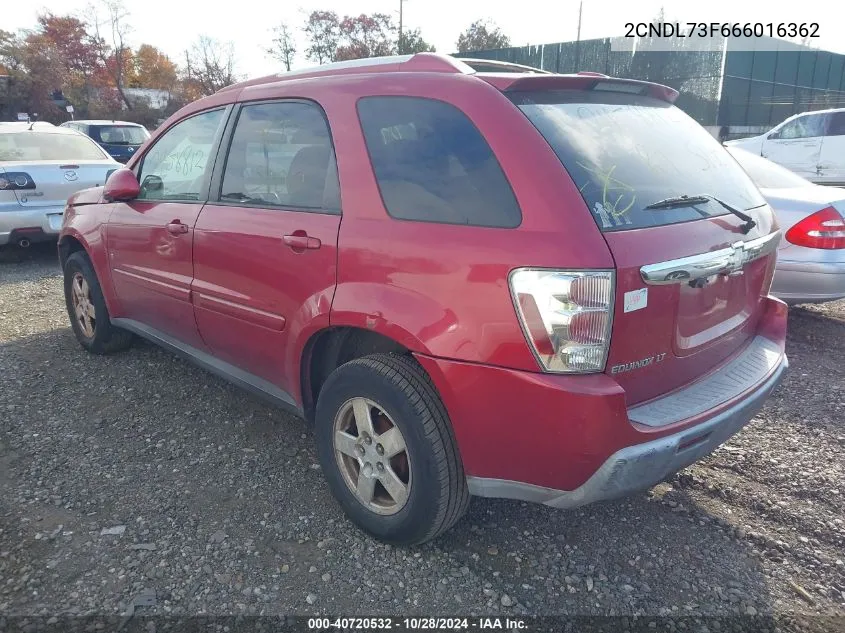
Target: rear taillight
<point x="823" y="229"/>
<point x="566" y="316"/>
<point x="16" y="180"/>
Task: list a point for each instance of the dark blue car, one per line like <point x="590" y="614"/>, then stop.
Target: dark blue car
<point x="120" y="139"/>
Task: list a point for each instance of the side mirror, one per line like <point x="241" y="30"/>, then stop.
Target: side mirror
<point x="122" y="185"/>
<point x="773" y="136"/>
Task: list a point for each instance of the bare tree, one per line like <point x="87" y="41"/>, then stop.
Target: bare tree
<point x="283" y="46"/>
<point x="210" y="65"/>
<point x="110" y="22"/>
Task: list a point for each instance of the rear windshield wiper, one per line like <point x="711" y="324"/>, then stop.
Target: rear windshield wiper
<point x="686" y="201"/>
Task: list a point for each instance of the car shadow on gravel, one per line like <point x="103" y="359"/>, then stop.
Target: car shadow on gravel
<point x="198" y="471"/>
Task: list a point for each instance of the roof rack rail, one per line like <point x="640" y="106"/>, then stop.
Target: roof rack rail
<point x="419" y="62"/>
<point x="494" y="65"/>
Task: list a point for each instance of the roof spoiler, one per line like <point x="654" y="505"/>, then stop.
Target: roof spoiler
<point x="595" y="82"/>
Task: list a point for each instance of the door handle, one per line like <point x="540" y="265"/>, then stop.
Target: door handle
<point x="177" y="228"/>
<point x="300" y="241"/>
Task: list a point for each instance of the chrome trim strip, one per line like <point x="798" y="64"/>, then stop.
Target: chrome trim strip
<point x="725" y="261"/>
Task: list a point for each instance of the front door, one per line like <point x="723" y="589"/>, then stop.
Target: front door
<point x="797" y="145"/>
<point x="150" y="239"/>
<point x="265" y="261"/>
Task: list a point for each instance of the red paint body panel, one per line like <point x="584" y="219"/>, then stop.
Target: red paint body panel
<point x="552" y="431"/>
<point x="151" y="268"/>
<point x="253" y="294"/>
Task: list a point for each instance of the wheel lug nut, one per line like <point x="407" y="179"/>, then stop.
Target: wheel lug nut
<point x="361" y="450"/>
<point x="380" y="467"/>
<point x="368" y="439"/>
<point x="379" y="449"/>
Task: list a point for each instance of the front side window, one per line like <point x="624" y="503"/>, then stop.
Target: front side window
<point x="177" y="166"/>
<point x="281" y="156"/>
<point x="31" y="145"/>
<point x="807" y="126"/>
<point x="432" y="164"/>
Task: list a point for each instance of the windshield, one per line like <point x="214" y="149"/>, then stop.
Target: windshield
<point x="765" y="173"/>
<point x="119" y="134"/>
<point x="626" y="152"/>
<point x="31" y="145"/>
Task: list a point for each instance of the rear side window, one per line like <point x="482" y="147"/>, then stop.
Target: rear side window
<point x="625" y="152"/>
<point x="281" y="156"/>
<point x="837" y="124"/>
<point x="432" y="164"/>
<point x="32" y="145"/>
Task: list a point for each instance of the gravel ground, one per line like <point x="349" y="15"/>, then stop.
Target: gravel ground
<point x="140" y="480"/>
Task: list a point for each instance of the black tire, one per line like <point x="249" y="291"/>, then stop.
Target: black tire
<point x="438" y="495"/>
<point x="106" y="338"/>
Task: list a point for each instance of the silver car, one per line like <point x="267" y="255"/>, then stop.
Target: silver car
<point x="41" y="165"/>
<point x="811" y="257"/>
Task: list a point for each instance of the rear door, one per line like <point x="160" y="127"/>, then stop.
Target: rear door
<point x="265" y="245"/>
<point x="676" y="316"/>
<point x="797" y="144"/>
<point x="832" y="160"/>
<point x="151" y="238"/>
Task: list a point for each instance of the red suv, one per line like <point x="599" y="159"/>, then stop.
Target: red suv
<point x="543" y="287"/>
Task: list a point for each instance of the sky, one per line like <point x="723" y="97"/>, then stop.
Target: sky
<point x="172" y="25"/>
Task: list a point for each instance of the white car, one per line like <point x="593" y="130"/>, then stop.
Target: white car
<point x="41" y="166"/>
<point x="811" y="256"/>
<point x="812" y="144"/>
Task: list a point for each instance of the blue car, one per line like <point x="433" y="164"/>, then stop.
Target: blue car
<point x="120" y="139"/>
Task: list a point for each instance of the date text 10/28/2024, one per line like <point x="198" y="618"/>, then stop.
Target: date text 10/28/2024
<point x="723" y="29"/>
<point x="417" y="624"/>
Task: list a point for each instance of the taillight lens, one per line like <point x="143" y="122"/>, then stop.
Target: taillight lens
<point x="823" y="229"/>
<point x="566" y="316"/>
<point x="15" y="180"/>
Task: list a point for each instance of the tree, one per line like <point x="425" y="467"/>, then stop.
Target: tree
<point x="482" y="35"/>
<point x="283" y="46"/>
<point x="111" y="32"/>
<point x="322" y="28"/>
<point x="413" y="42"/>
<point x="209" y="66"/>
<point x="153" y="69"/>
<point x="365" y="36"/>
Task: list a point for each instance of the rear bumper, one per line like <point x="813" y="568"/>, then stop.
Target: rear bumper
<point x="809" y="282"/>
<point x="641" y="466"/>
<point x="47" y="219"/>
<point x="567" y="441"/>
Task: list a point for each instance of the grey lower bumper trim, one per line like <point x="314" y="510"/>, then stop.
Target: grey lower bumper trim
<point x="743" y="372"/>
<point x="640" y="466"/>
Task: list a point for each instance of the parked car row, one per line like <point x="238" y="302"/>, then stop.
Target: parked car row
<point x="507" y="284"/>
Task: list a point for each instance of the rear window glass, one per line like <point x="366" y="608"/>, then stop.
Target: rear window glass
<point x="765" y="173"/>
<point x="433" y="165"/>
<point x="32" y="145"/>
<point x="119" y="134"/>
<point x="626" y="152"/>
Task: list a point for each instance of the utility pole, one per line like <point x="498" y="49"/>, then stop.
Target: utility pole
<point x="401" y="2"/>
<point x="578" y="39"/>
